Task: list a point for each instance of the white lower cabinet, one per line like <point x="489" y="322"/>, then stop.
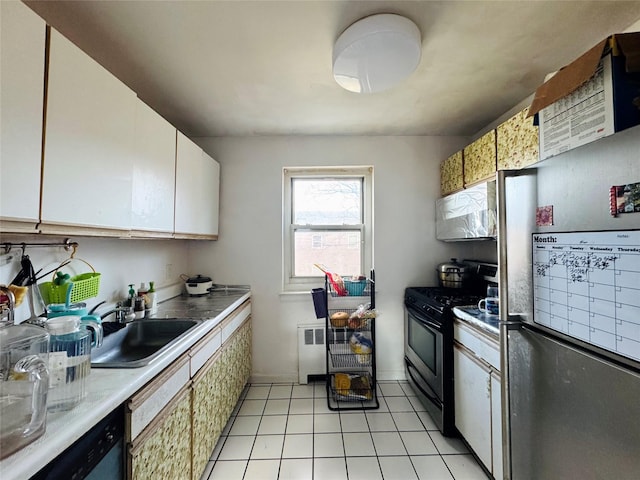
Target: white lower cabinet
<point x="472" y="383"/>
<point x="477" y="384"/>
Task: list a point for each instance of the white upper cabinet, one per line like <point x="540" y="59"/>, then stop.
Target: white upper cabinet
<point x="154" y="173"/>
<point x="211" y="195"/>
<point x="188" y="161"/>
<point x="197" y="191"/>
<point x="89" y="148"/>
<point x="22" y="46"/>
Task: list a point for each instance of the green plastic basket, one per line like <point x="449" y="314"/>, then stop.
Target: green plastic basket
<point x="83" y="286"/>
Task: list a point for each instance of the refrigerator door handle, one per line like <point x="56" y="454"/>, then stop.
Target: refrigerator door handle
<point x="512" y="323"/>
<point x="505" y="327"/>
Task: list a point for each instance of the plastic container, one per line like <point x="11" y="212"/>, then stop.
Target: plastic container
<point x="69" y="360"/>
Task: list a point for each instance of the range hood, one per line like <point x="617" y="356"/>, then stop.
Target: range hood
<point x="470" y="214"/>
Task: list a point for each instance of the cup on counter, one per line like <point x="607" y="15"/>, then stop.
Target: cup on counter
<point x="491" y="304"/>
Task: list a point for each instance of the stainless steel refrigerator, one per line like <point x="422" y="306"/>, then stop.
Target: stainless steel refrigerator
<point x="570" y="392"/>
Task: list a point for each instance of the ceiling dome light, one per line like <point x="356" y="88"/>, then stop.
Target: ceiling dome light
<point x="376" y="53"/>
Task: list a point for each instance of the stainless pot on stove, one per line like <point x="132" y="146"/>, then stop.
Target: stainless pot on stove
<point x="453" y="274"/>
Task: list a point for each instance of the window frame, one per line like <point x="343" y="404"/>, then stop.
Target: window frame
<point x="291" y="283"/>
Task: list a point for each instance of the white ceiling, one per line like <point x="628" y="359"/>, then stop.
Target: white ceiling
<point x="217" y="68"/>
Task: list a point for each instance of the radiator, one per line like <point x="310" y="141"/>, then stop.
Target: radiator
<point x="311" y="351"/>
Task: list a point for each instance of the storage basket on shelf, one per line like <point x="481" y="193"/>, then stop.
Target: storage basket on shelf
<point x="352" y="387"/>
<point x="83" y="286"/>
<point x="355" y="288"/>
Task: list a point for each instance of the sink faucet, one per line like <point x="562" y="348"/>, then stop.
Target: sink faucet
<point x="9" y="308"/>
<point x="123" y="313"/>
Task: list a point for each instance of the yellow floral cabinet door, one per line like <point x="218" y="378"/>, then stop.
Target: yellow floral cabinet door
<point x="163" y="450"/>
<point x="242" y="358"/>
<point x="451" y="174"/>
<point x="480" y="159"/>
<point x="208" y="418"/>
<point x="517" y="142"/>
<point x="216" y="390"/>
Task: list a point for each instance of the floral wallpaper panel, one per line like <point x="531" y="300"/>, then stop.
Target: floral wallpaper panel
<point x="451" y="179"/>
<point x="480" y="159"/>
<point x="517" y="141"/>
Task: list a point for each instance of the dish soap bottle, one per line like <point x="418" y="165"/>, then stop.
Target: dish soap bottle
<point x="132" y="296"/>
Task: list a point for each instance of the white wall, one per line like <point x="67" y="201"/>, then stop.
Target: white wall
<point x="120" y="263"/>
<point x="249" y="249"/>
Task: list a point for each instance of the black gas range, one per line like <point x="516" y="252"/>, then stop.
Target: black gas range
<point x="429" y="344"/>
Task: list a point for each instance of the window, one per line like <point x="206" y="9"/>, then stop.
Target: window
<point x="327" y="219"/>
<point x="354" y="241"/>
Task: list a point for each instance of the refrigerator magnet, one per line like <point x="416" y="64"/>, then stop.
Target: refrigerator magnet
<point x="544" y="216"/>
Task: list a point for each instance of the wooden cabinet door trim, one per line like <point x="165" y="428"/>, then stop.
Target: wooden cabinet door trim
<point x="473" y="356"/>
<point x="145" y="405"/>
<point x="150" y="429"/>
<point x="480" y="344"/>
<point x="206" y="367"/>
<point x="234" y="321"/>
<point x="205" y="349"/>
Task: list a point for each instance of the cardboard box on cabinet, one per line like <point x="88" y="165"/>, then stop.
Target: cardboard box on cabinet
<point x="595" y="96"/>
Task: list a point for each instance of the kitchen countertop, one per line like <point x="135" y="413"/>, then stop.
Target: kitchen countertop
<point x="109" y="387"/>
<point x="485" y="322"/>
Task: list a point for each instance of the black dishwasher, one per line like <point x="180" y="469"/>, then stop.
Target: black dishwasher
<point x="98" y="454"/>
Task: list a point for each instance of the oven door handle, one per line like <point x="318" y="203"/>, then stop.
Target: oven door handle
<point x="431" y="396"/>
<point x="424" y="320"/>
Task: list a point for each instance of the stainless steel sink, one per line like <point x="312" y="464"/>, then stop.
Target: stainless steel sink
<point x="138" y="343"/>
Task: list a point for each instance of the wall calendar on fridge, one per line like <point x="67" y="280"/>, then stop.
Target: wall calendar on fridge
<point x="587" y="285"/>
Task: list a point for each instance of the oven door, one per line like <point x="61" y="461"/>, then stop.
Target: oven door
<point x="428" y="364"/>
<point x="424" y="341"/>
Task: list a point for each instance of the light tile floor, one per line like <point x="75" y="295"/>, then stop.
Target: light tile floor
<point x="287" y="432"/>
